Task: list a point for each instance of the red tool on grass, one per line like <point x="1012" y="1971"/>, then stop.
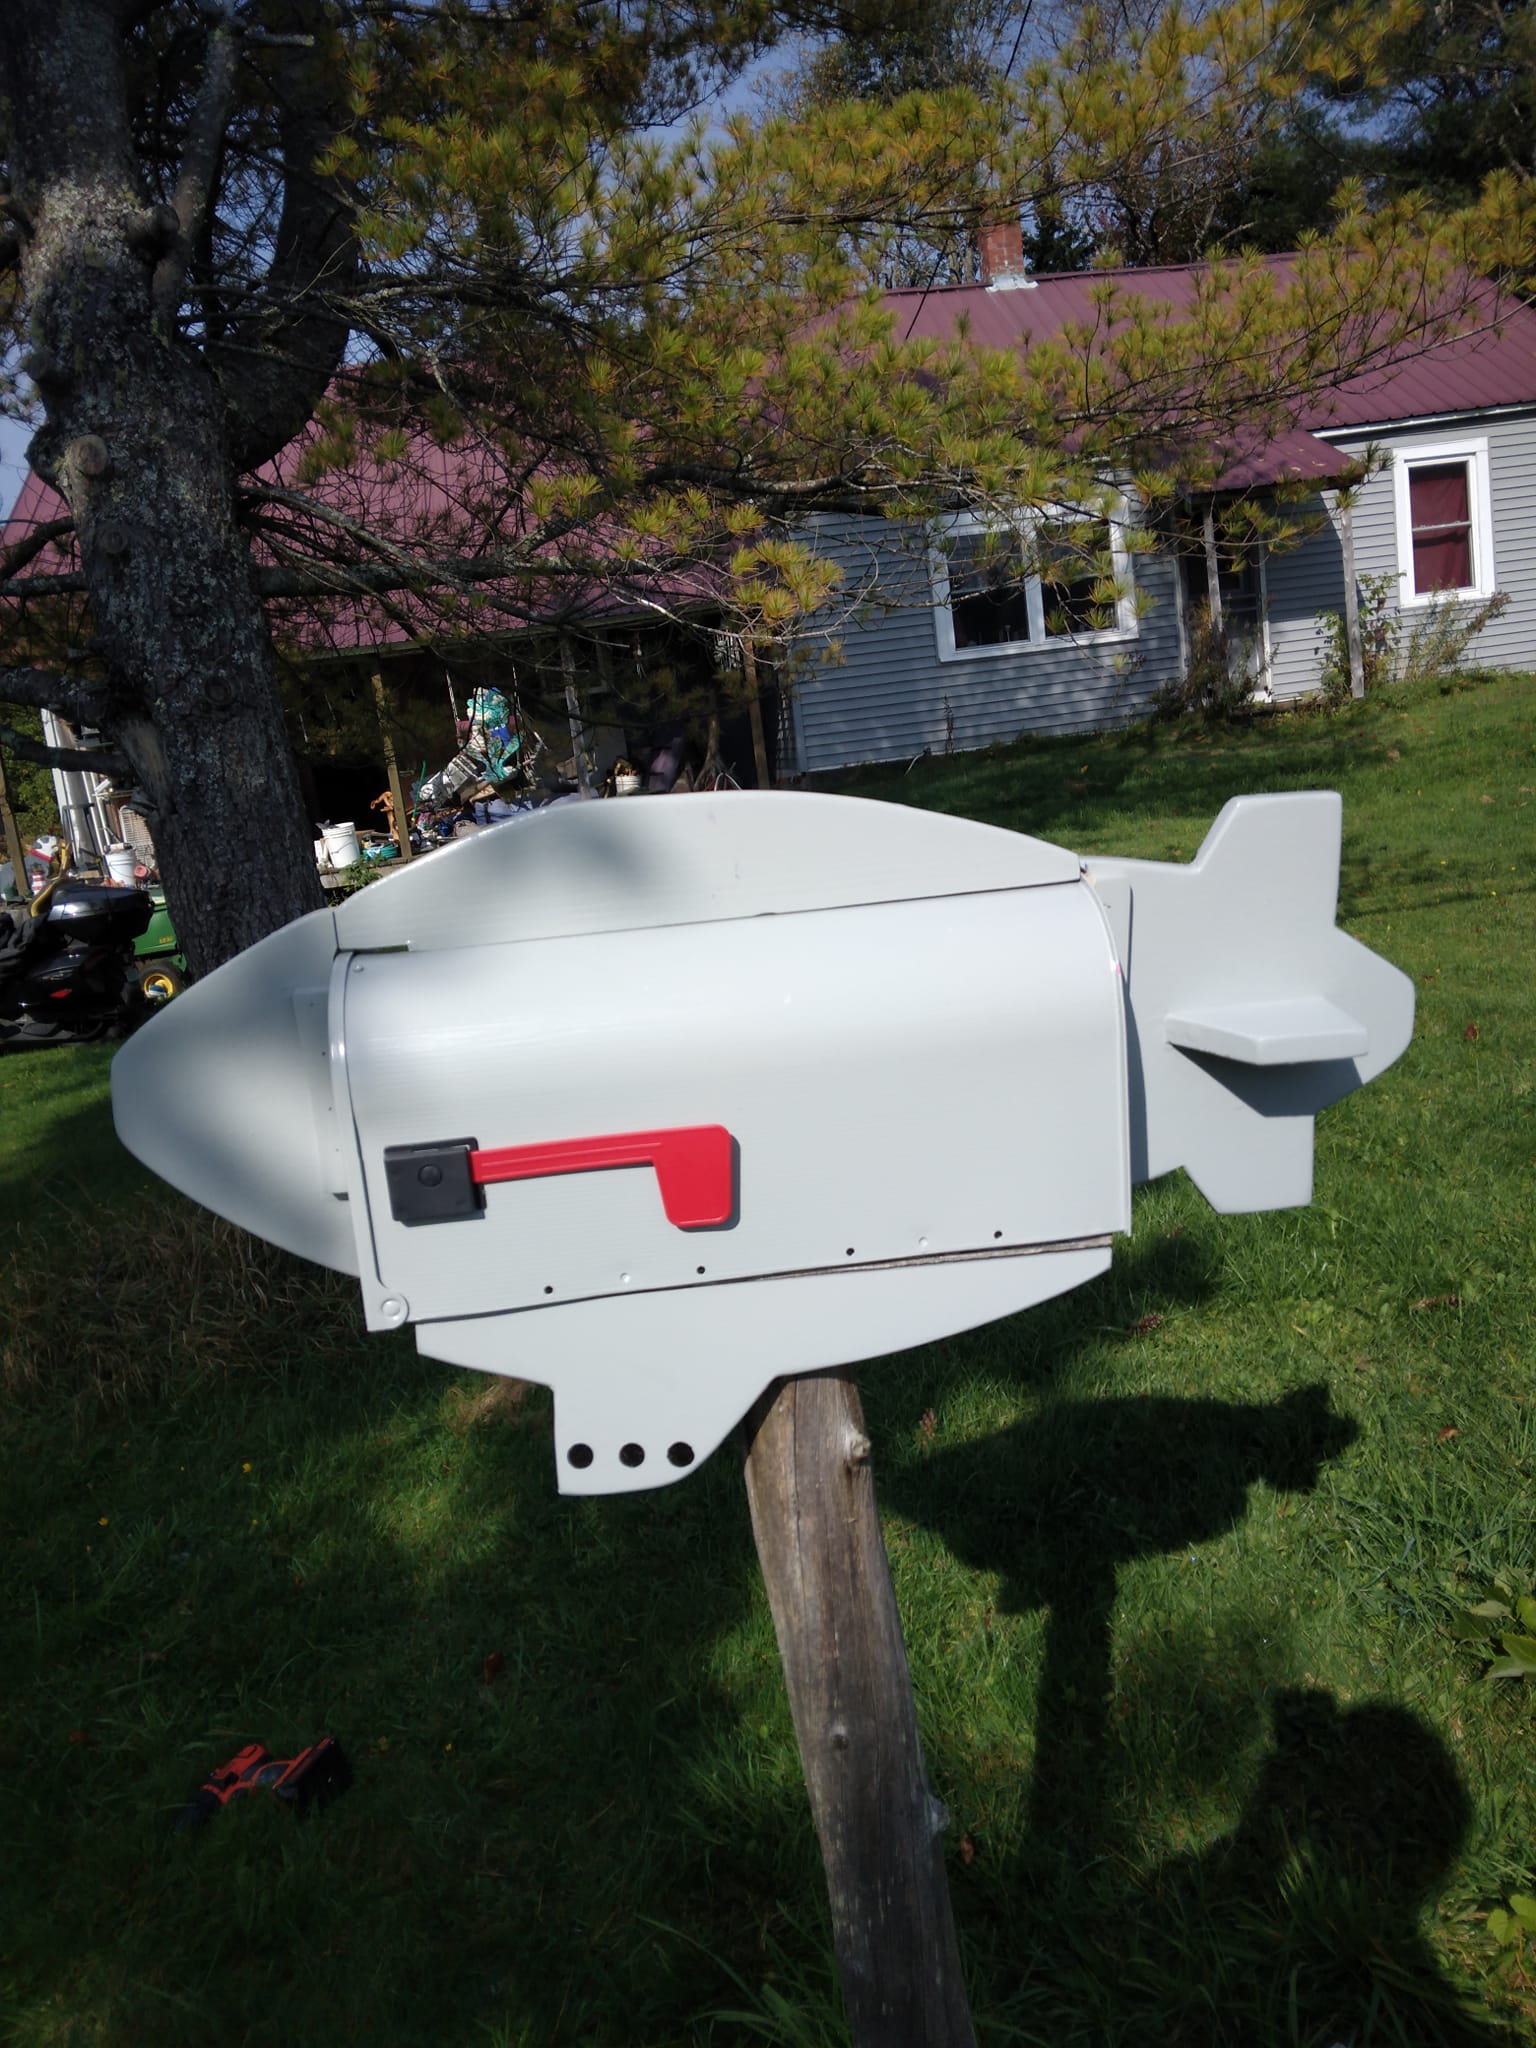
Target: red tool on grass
<point x="309" y="1779"/>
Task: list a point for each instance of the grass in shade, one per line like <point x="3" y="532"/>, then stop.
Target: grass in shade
<point x="1184" y="1561"/>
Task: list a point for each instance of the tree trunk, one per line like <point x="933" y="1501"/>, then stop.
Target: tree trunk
<point x="135" y="443"/>
<point x="812" y="1496"/>
<point x="191" y="678"/>
<point x="755" y="714"/>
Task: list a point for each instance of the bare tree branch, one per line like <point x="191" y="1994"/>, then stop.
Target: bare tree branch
<point x="199" y="164"/>
<point x="65" y="583"/>
<point x="31" y="545"/>
<point x="43" y="689"/>
<point x="73" y="760"/>
<point x="309" y="507"/>
<point x="376" y="579"/>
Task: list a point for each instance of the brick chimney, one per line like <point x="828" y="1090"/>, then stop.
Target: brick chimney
<point x="1001" y="249"/>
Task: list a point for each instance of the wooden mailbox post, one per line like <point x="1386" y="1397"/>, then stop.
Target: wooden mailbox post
<point x="881" y="1829"/>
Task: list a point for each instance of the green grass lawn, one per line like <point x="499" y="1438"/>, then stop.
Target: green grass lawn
<point x="1182" y="1560"/>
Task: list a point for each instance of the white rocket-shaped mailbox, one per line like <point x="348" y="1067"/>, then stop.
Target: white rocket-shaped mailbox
<point x="657" y="1101"/>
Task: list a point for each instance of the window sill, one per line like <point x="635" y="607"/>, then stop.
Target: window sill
<point x="1116" y="636"/>
<point x="1423" y="600"/>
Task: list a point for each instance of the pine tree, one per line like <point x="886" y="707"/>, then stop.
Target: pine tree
<point x="278" y="270"/>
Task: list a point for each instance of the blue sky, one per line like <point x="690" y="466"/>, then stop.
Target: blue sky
<point x="13" y="462"/>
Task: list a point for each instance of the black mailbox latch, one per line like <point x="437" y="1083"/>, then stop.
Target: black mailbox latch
<point x="432" y="1183"/>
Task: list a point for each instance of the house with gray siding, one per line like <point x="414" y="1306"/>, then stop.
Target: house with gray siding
<point x="913" y="675"/>
<point x="951" y="654"/>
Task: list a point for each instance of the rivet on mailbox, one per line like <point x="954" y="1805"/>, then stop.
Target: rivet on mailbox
<point x="759" y="1084"/>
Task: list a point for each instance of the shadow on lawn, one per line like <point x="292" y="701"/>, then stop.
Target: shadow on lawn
<point x="507" y="1848"/>
<point x="1309" y="1909"/>
<point x="1347" y="1837"/>
<point x="1056" y="1505"/>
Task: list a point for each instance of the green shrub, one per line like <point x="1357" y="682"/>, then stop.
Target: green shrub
<point x="1441" y="635"/>
<point x="1379" y="627"/>
<point x="1218" y="671"/>
<point x="1394" y="651"/>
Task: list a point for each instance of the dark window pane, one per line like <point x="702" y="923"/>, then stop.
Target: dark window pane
<point x="1439" y="511"/>
<point x="1077" y="584"/>
<point x="987" y="599"/>
<point x="1438" y="494"/>
<point x="1442" y="562"/>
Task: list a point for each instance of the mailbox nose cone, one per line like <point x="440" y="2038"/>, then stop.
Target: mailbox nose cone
<point x="226" y="1094"/>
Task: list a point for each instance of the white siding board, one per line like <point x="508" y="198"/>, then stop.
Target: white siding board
<point x="1302" y="583"/>
<point x="885" y="699"/>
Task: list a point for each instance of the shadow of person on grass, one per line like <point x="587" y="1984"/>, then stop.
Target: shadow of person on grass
<point x="1309" y="1910"/>
<point x="1058" y="1504"/>
<point x="1349" y="1833"/>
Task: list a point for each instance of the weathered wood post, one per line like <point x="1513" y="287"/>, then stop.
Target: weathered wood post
<point x="812" y="1497"/>
<point x="401" y="819"/>
<point x="1212" y="570"/>
<point x="573" y="713"/>
<point x="10" y="838"/>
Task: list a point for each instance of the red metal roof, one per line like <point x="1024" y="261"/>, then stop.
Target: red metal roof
<point x="1490" y="360"/>
<point x="451" y="499"/>
<point x="439" y="493"/>
<point x="1292" y="457"/>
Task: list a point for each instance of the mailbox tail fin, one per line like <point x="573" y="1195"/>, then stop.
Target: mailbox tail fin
<point x="1247" y="1009"/>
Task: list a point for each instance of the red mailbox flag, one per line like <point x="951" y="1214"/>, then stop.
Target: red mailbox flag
<point x="693" y="1167"/>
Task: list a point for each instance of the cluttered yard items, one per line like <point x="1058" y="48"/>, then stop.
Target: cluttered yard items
<point x="446" y="1068"/>
<point x="69" y="990"/>
<point x="68" y="972"/>
<point x="516" y="736"/>
<point x="496" y="775"/>
<point x="490" y="753"/>
<point x="304" y="1782"/>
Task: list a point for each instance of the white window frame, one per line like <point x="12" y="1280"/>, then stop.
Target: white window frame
<point x="1410" y="455"/>
<point x="1127" y="624"/>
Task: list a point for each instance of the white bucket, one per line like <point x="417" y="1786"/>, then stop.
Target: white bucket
<point x="626" y="785"/>
<point x="341" y="847"/>
<point x="120" y="863"/>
